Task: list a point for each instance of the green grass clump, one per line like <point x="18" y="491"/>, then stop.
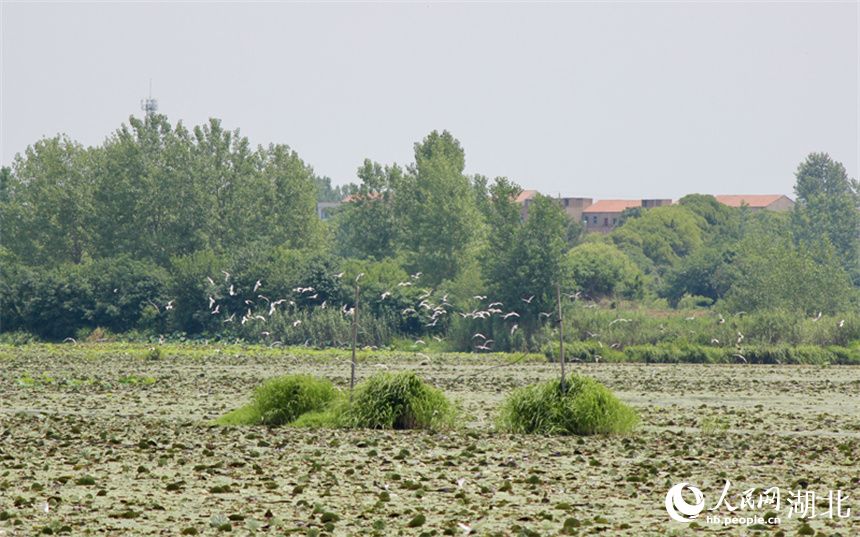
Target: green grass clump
<point x="399" y="401"/>
<point x="587" y="408"/>
<point x="282" y="400"/>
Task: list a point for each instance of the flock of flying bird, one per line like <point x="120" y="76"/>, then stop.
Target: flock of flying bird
<point x="433" y="311"/>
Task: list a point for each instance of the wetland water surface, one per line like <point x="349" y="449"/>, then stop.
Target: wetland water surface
<point x="116" y="444"/>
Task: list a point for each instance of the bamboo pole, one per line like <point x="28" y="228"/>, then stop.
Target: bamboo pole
<point x="560" y="339"/>
<point x="354" y="339"/>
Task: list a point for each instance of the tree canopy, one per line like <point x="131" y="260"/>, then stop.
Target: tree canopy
<point x="164" y="229"/>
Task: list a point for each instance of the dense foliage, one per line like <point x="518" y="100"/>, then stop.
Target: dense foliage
<point x="170" y="233"/>
<point x="579" y="406"/>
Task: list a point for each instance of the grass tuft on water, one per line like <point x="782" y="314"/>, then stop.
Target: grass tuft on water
<point x="399" y="401"/>
<point x="282" y="400"/>
<point x="587" y="408"/>
<point x="302" y="399"/>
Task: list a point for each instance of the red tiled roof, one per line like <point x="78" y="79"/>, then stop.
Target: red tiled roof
<point x="753" y="201"/>
<point x="524" y="195"/>
<point x="612" y="206"/>
<point x="356" y="197"/>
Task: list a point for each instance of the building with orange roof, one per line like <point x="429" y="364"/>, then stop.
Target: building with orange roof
<point x="603" y="215"/>
<point x="773" y="202"/>
<point x="573" y="207"/>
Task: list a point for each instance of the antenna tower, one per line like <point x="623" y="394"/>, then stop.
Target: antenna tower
<point x="150" y="105"/>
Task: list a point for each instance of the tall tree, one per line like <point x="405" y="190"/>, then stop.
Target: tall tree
<point x="48" y="202"/>
<point x="828" y="203"/>
<point x="435" y="208"/>
<point x="222" y="162"/>
<point x="364" y="226"/>
<point x="775" y="273"/>
<point x="145" y="194"/>
<point x="530" y="260"/>
<point x="284" y="209"/>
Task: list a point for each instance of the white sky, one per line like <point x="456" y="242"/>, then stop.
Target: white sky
<point x="594" y="99"/>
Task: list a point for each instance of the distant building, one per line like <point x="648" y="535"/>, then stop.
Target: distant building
<point x="358" y="196"/>
<point x="603" y="215"/>
<point x="772" y="202"/>
<point x="324" y="208"/>
<point x="573" y="207"/>
<point x="525" y="199"/>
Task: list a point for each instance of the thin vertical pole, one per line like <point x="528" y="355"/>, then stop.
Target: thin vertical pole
<point x="560" y="338"/>
<point x="354" y="338"/>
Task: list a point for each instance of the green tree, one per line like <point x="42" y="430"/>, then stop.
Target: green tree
<point x="5" y="183"/>
<point x="709" y="272"/>
<point x="48" y="203"/>
<point x="601" y="270"/>
<point x="439" y="222"/>
<point x="222" y="163"/>
<point x="527" y="259"/>
<point x="284" y="209"/>
<point x="723" y="222"/>
<point x="365" y="226"/>
<point x="662" y="234"/>
<point x="144" y="193"/>
<point x="326" y="192"/>
<point x="827" y="206"/>
<point x="777" y="274"/>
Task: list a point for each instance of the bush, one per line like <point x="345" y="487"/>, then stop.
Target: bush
<point x="400" y="401"/>
<point x="283" y="400"/>
<point x="18" y="338"/>
<point x="587" y="408"/>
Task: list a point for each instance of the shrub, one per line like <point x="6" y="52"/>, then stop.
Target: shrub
<point x="283" y="400"/>
<point x="587" y="408"/>
<point x="18" y="337"/>
<point x="399" y="401"/>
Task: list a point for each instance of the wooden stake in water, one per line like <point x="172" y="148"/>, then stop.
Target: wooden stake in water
<point x="354" y="338"/>
<point x="560" y="338"/>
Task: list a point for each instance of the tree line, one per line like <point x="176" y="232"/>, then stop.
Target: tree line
<point x="166" y="232"/>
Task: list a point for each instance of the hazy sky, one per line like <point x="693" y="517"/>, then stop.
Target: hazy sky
<point x="594" y="99"/>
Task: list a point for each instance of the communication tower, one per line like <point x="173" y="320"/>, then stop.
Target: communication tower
<point x="149" y="105"/>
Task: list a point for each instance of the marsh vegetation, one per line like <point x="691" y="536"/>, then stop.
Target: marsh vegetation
<point x="86" y="449"/>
